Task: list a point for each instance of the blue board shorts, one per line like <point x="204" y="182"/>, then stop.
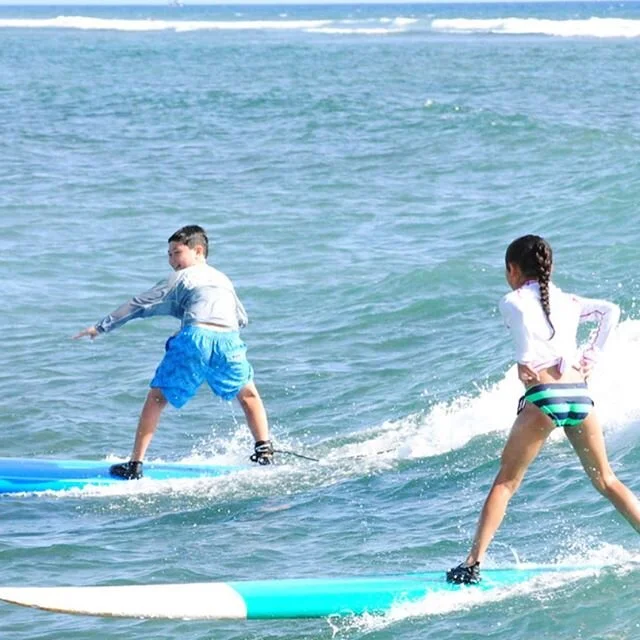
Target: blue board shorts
<point x="197" y="354"/>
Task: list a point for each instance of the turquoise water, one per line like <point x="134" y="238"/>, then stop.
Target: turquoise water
<point x="360" y="170"/>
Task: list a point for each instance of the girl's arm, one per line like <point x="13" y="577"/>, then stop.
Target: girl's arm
<point x="606" y="315"/>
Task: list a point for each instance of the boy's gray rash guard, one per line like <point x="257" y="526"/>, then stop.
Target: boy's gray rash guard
<point x="196" y="294"/>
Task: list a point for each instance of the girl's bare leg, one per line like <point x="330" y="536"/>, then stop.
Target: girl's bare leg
<point x="588" y="442"/>
<point x="529" y="432"/>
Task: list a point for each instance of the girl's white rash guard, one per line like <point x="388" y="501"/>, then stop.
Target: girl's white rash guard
<point x="523" y="315"/>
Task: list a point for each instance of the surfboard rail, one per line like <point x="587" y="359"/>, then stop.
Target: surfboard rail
<point x="261" y="599"/>
<point x="27" y="475"/>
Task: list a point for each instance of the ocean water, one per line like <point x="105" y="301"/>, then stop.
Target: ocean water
<point x="360" y="171"/>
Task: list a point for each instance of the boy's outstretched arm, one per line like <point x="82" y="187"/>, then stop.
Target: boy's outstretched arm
<point x="155" y="301"/>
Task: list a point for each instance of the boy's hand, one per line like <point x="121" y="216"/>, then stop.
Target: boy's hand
<point x="526" y="374"/>
<point x="92" y="332"/>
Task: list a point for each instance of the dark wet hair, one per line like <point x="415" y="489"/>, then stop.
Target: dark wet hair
<point x="533" y="255"/>
<point x="193" y="236"/>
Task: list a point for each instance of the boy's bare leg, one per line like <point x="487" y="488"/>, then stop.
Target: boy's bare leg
<point x="254" y="411"/>
<point x="148" y="422"/>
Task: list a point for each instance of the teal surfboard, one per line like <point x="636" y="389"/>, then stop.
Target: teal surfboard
<point x="263" y="599"/>
<point x="31" y="474"/>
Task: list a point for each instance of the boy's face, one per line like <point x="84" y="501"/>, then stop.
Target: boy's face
<point x="181" y="256"/>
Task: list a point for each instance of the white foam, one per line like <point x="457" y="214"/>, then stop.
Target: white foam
<point x="589" y="564"/>
<point x="374" y="26"/>
<point x="614" y="381"/>
<point x="404" y="22"/>
<point x="462" y="600"/>
<point x="444" y="427"/>
<point x="88" y="23"/>
<point x="364" y="27"/>
<point x="590" y="27"/>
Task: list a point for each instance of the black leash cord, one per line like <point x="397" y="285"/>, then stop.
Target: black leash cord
<point x="297" y="455"/>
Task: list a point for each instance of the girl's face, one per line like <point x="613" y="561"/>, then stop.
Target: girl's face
<point x="514" y="276"/>
<point x="181" y="256"/>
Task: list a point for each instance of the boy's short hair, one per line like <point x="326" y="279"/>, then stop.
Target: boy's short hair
<point x="192" y="235"/>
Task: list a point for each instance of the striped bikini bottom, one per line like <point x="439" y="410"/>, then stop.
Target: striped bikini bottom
<point x="567" y="404"/>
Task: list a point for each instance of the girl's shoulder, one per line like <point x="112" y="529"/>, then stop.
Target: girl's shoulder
<point x="513" y="303"/>
<point x="521" y="294"/>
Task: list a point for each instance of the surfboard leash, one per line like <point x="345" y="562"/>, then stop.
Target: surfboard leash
<point x="296" y="454"/>
<point x="305" y="457"/>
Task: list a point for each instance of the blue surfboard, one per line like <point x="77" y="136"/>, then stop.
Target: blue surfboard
<point x="31" y="474"/>
<point x="266" y="599"/>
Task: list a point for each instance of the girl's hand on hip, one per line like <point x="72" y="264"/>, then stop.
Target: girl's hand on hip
<point x="526" y="374"/>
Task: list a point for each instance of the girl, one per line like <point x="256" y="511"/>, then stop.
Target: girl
<point x="543" y="322"/>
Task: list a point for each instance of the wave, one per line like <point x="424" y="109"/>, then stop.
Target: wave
<point x="388" y="25"/>
<point x="449" y="426"/>
<point x="591" y="27"/>
<point x="443" y="428"/>
<point x="104" y="24"/>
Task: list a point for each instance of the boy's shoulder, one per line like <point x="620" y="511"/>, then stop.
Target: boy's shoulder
<point x="204" y="274"/>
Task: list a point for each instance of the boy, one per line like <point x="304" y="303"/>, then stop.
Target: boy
<point x="207" y="347"/>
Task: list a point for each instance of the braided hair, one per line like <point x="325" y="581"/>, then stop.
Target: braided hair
<point x="533" y="255"/>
